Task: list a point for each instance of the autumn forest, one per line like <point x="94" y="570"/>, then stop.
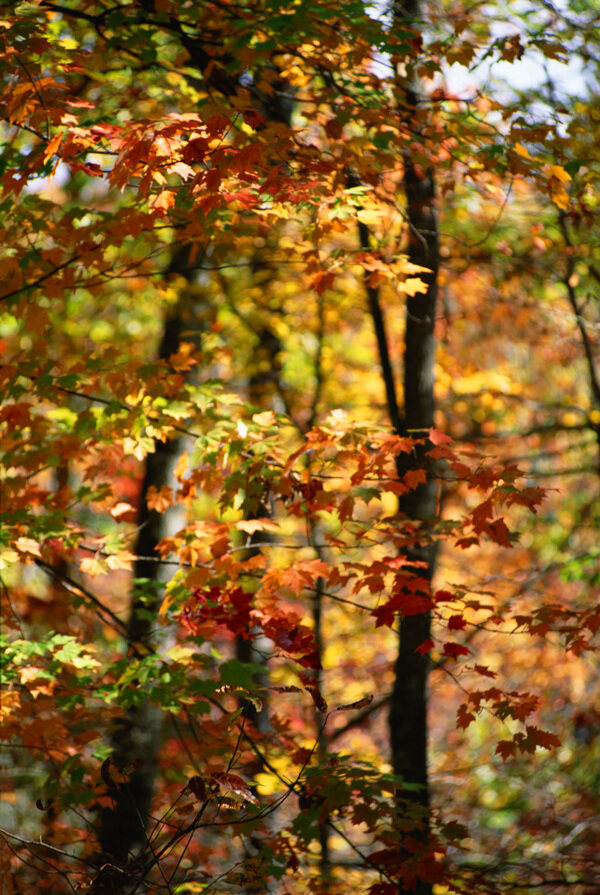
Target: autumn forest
<point x="300" y="447"/>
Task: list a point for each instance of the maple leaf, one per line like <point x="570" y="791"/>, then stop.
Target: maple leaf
<point x="464" y="716"/>
<point x="217" y="606"/>
<point x="322" y="281"/>
<point x="414" y="477"/>
<point x="498" y="531"/>
<point x="159" y="500"/>
<point x="161" y="202"/>
<point x="123" y="512"/>
<point x="506" y="749"/>
<point x="28" y="546"/>
<point x="456" y="623"/>
<point x="385" y="614"/>
<point x="454" y="650"/>
<point x="182" y="466"/>
<point x="37" y="681"/>
<point x="346" y="508"/>
<point x="436" y="437"/>
<point x="265" y="419"/>
<point x="557" y="179"/>
<point x="182" y="169"/>
<point x="93" y="565"/>
<point x="233" y="787"/>
<point x="538" y="738"/>
<point x="198" y="787"/>
<point x="185" y="358"/>
<point x="253" y="119"/>
<point x="294" y="639"/>
<point x="425" y="647"/>
<point x="484" y="670"/>
<point x="124" y="559"/>
<point x="481" y="514"/>
<point x="411" y="286"/>
<point x="250" y="526"/>
<point x="52" y="146"/>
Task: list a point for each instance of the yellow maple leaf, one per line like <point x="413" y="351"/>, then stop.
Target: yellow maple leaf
<point x="28" y="546"/>
<point x="123" y="512"/>
<point x="182" y="467"/>
<point x="121" y="560"/>
<point x="92" y="566"/>
<point x="162" y="612"/>
<point x="184" y="171"/>
<point x="181" y="654"/>
<point x="37" y="686"/>
<point x="159" y="500"/>
<point x="162" y="202"/>
<point x="369" y="216"/>
<point x="558" y="194"/>
<point x="252" y="525"/>
<point x="412" y="286"/>
<point x="9" y="704"/>
<point x="267" y="418"/>
<point x="559" y="173"/>
<point x="523" y="151"/>
<point x="52" y="146"/>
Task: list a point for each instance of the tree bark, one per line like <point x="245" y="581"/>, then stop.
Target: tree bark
<point x="408" y="709"/>
<point x="136" y="735"/>
<point x="408" y="706"/>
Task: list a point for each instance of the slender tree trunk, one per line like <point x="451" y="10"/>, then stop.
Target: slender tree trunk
<point x="408" y="706"/>
<point x="408" y="709"/>
<point x="264" y="388"/>
<point x="325" y="864"/>
<point x="123" y="827"/>
<point x="136" y="734"/>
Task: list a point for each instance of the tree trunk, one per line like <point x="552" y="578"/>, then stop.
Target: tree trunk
<point x="123" y="826"/>
<point x="408" y="707"/>
<point x="136" y="735"/>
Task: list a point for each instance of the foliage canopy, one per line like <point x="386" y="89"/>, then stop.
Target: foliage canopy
<point x="219" y="518"/>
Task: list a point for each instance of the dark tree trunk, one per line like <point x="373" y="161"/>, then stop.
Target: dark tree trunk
<point x="408" y="707"/>
<point x="136" y="735"/>
<point x="122" y="828"/>
<point x="408" y="713"/>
